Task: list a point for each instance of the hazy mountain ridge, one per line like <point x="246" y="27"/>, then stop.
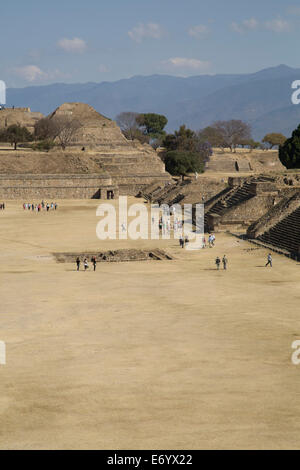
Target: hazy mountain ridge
<point x="263" y="98"/>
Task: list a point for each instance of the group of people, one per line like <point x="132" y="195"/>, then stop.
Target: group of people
<point x="166" y="225"/>
<point x="224" y="261"/>
<point x="86" y="264"/>
<point x="40" y="206"/>
<point x="2" y="206"/>
<point x="183" y="241"/>
<point x="211" y="241"/>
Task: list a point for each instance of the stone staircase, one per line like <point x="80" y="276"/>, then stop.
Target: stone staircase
<point x="285" y="234"/>
<point x="169" y="193"/>
<point x="231" y="197"/>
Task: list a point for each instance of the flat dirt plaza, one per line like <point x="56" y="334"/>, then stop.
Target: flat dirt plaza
<point x="153" y="355"/>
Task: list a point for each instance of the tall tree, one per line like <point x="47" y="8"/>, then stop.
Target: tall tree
<point x="274" y="139"/>
<point x="45" y="129"/>
<point x="213" y="136"/>
<point x="233" y="132"/>
<point x="289" y="152"/>
<point x="181" y="163"/>
<point x="61" y="128"/>
<point x="183" y="139"/>
<point x="16" y="134"/>
<point x="152" y="124"/>
<point x="67" y="127"/>
<point x="127" y="121"/>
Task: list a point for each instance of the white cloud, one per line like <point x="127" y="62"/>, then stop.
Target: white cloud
<point x="143" y="31"/>
<point x="33" y="73"/>
<point x="185" y="63"/>
<point x="30" y="73"/>
<point x="103" y="68"/>
<point x="293" y="10"/>
<point x="278" y="25"/>
<point x="75" y="45"/>
<point x="198" y="30"/>
<point x="250" y="24"/>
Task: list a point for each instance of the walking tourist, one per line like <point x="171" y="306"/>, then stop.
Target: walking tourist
<point x="218" y="261"/>
<point x="93" y="260"/>
<point x="78" y="263"/>
<point x="269" y="263"/>
<point x="224" y="261"/>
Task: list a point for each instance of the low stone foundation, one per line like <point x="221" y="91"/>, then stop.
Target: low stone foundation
<point x="57" y="187"/>
<point x="115" y="256"/>
<point x="80" y="186"/>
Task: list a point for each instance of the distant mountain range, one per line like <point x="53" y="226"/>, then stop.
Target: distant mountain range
<point x="263" y="99"/>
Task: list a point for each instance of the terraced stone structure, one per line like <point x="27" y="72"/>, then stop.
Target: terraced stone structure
<point x="99" y="162"/>
<point x="279" y="229"/>
<point x="244" y="161"/>
<point x="244" y="201"/>
<point x="131" y="165"/>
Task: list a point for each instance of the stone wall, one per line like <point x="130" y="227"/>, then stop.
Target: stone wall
<point x="54" y="180"/>
<point x="73" y="186"/>
<point x="55" y="186"/>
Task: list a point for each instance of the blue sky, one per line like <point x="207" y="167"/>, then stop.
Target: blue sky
<point x="100" y="40"/>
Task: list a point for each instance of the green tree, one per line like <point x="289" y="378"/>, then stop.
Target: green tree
<point x="152" y="124"/>
<point x="289" y="152"/>
<point x="274" y="139"/>
<point x="183" y="139"/>
<point x="180" y="163"/>
<point x="16" y="134"/>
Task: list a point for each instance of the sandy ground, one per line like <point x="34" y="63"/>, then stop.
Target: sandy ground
<point x="143" y="355"/>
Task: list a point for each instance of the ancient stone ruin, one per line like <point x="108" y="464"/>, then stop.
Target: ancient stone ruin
<point x="99" y="163"/>
<point x="279" y="228"/>
<point x="244" y="161"/>
<point x="22" y="116"/>
<point x="115" y="256"/>
<point x="244" y="201"/>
